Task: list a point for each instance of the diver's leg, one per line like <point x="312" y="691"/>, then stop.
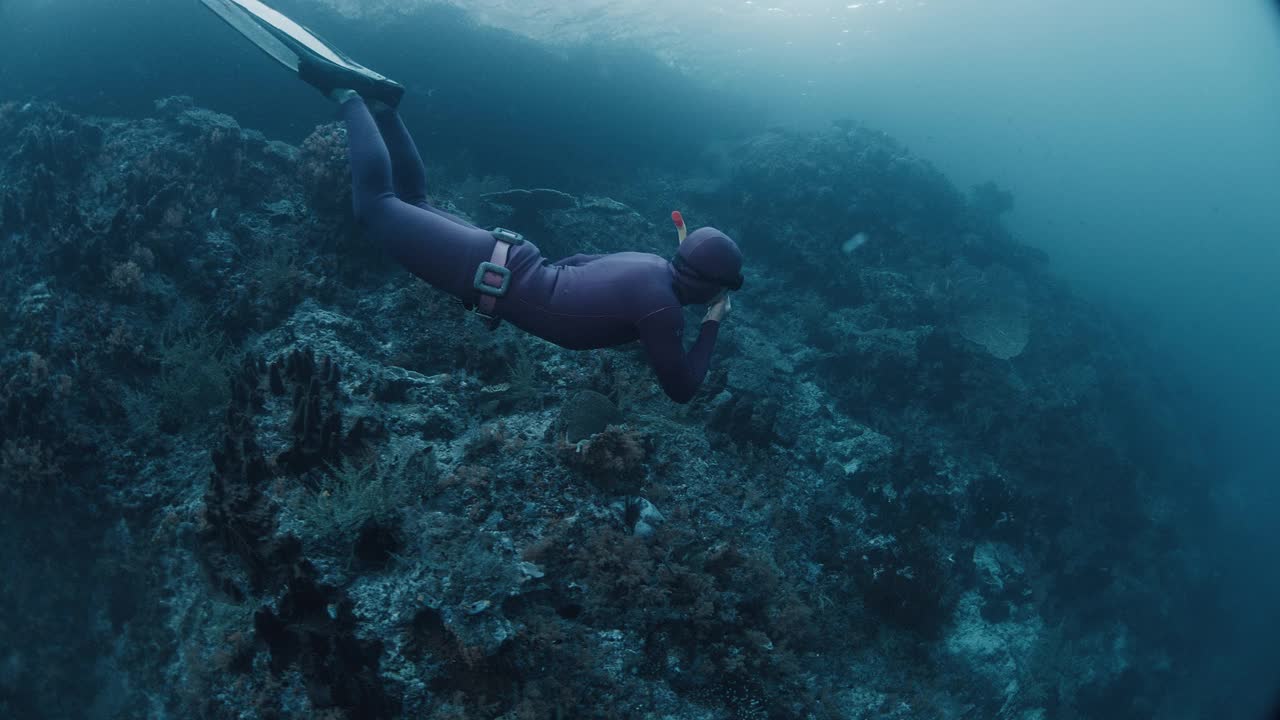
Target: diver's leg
<point x="435" y="248"/>
<point x="407" y="170"/>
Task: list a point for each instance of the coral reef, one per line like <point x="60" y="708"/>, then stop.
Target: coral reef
<point x="323" y="168"/>
<point x="251" y="469"/>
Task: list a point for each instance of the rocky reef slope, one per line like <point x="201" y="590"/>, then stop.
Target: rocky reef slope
<point x="250" y="469"/>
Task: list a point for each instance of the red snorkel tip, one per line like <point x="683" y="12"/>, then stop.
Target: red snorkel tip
<point x="677" y="218"/>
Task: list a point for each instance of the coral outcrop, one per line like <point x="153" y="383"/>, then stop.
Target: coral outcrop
<point x="278" y="477"/>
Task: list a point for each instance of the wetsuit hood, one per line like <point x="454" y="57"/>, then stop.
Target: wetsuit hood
<point x="707" y="263"/>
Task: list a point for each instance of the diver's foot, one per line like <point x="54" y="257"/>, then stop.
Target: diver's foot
<point x="333" y="80"/>
<point x="328" y="78"/>
<point x="342" y="95"/>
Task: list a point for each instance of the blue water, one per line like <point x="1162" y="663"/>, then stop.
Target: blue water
<point x="1139" y="141"/>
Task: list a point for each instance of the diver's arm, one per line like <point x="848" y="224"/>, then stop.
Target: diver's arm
<point x="679" y="373"/>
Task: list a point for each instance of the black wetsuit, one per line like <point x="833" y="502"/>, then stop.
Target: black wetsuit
<point x="580" y="302"/>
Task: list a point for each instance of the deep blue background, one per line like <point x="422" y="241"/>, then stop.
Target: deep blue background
<point x="480" y="100"/>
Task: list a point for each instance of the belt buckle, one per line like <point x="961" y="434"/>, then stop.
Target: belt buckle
<point x="487" y="289"/>
<point x="510" y="237"/>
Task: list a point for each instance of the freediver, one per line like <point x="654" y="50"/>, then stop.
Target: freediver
<point x="581" y="302"/>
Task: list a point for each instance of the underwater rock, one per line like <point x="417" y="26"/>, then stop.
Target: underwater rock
<point x="893" y="297"/>
<point x="526" y="212"/>
<point x="878" y="365"/>
<point x="990" y="200"/>
<point x="396" y="384"/>
<point x="745" y="418"/>
<point x="600" y="224"/>
<point x="995" y="508"/>
<point x="563" y="225"/>
<point x="220" y="144"/>
<point x="11" y="214"/>
<point x="56" y="140"/>
<point x="40" y="462"/>
<point x="522" y="206"/>
<point x="37" y="303"/>
<point x="183" y="111"/>
<point x="999" y="652"/>
<point x="864" y="448"/>
<point x="311" y="628"/>
<point x="908" y="583"/>
<point x="604" y="206"/>
<point x="638" y="515"/>
<point x="436" y="620"/>
<point x="1000" y="572"/>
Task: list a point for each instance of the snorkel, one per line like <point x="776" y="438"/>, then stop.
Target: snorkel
<point x="678" y="219"/>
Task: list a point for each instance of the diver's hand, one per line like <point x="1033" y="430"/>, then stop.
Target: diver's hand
<point x="719" y="308"/>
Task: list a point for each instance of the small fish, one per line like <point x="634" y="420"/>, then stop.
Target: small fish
<point x="214" y="215"/>
<point x="854" y="243"/>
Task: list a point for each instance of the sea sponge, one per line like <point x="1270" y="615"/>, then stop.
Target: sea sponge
<point x="614" y="459"/>
<point x="323" y="168"/>
<point x="995" y="312"/>
<point x="1002" y="328"/>
<point x="585" y="414"/>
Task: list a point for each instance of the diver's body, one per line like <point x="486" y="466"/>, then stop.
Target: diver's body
<point x="580" y="302"/>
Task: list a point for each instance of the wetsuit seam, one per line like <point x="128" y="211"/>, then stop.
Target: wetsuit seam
<point x="543" y="309"/>
<point x="655" y="312"/>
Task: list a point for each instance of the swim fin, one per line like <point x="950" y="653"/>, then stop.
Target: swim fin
<point x="303" y="52"/>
